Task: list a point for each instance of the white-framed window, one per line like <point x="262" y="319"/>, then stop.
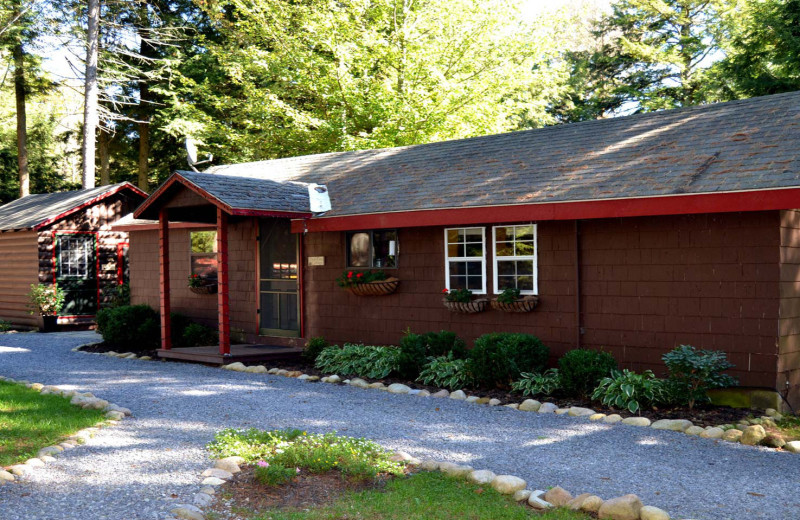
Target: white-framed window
<point x="515" y="258"/>
<point x="203" y="253"/>
<point x="372" y="249"/>
<point x="76" y="255"/>
<point x="465" y="259"/>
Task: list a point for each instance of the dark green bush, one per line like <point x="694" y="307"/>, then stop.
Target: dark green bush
<point x="443" y="343"/>
<point x="199" y="335"/>
<point x="313" y="347"/>
<point x="580" y="370"/>
<point x="418" y="349"/>
<point x="130" y="328"/>
<point x="498" y="358"/>
<point x="178" y="325"/>
<point x="693" y="372"/>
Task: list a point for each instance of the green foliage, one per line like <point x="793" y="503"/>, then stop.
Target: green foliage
<point x="122" y="295"/>
<point x="131" y="328"/>
<point x="313" y="348"/>
<point x="445" y="372"/>
<point x="46" y="299"/>
<point x="498" y="358"/>
<point x="199" y="335"/>
<point x="458" y="295"/>
<point x="297" y="450"/>
<point x="178" y="324"/>
<point x="274" y="474"/>
<point x="581" y="370"/>
<point x="418" y="349"/>
<point x="532" y="384"/>
<point x="509" y="295"/>
<point x="30" y="421"/>
<point x="693" y="372"/>
<point x="629" y="390"/>
<point x="350" y="278"/>
<point x="360" y="360"/>
<point x="5" y="326"/>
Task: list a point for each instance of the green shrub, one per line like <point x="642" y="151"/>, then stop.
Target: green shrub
<point x="178" y="325"/>
<point x="629" y="390"/>
<point x="199" y="335"/>
<point x="537" y="384"/>
<point x="5" y="326"/>
<point x="498" y="358"/>
<point x="445" y="372"/>
<point x="273" y="474"/>
<point x="419" y="349"/>
<point x="360" y="360"/>
<point x="444" y="343"/>
<point x="313" y="347"/>
<point x="581" y="370"/>
<point x="131" y="328"/>
<point x="692" y="373"/>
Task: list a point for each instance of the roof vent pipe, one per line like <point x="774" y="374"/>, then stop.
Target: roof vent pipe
<point x="191" y="155"/>
<point x="319" y="199"/>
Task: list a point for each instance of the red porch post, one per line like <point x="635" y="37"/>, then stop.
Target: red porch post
<point x="163" y="250"/>
<point x="223" y="297"/>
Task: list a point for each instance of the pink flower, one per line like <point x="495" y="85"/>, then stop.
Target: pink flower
<point x="262" y="464"/>
<point x="298" y="470"/>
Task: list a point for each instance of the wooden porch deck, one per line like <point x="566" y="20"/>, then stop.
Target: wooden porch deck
<point x="242" y="353"/>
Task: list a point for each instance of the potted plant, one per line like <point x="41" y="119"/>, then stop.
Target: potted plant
<point x="368" y="283"/>
<point x="460" y="300"/>
<point x="202" y="285"/>
<point x="46" y="301"/>
<point x="510" y="300"/>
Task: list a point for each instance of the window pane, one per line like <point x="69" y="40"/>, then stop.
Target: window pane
<point x="455" y="250"/>
<point x="474" y="268"/>
<point x="524" y="233"/>
<point x="504" y="249"/>
<point x="523" y="248"/>
<point x="474" y="250"/>
<point x="503" y="234"/>
<point x="205" y="265"/>
<point x="458" y="282"/>
<point x="384" y="248"/>
<point x="454" y="235"/>
<point x="358" y="254"/>
<point x="457" y="268"/>
<point x="525" y="283"/>
<point x="505" y="282"/>
<point x="204" y="241"/>
<point x="474" y="235"/>
<point x="474" y="283"/>
<point x="525" y="267"/>
<point x="505" y="268"/>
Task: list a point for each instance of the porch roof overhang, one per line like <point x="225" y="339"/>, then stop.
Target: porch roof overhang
<point x="683" y="204"/>
<point x="238" y="196"/>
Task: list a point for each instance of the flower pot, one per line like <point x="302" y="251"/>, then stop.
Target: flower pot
<point x="526" y="304"/>
<point x="470" y="307"/>
<point x="204" y="289"/>
<point x="49" y="323"/>
<point x="377" y="288"/>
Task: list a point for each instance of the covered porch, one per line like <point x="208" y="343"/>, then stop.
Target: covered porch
<point x="218" y="204"/>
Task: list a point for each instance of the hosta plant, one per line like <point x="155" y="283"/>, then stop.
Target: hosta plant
<point x="445" y="372"/>
<point x="629" y="390"/>
<point x="530" y="383"/>
<point x="360" y="360"/>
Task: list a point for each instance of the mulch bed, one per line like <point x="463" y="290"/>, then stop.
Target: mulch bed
<point x="705" y="415"/>
<point x="106" y="347"/>
<point x="305" y="491"/>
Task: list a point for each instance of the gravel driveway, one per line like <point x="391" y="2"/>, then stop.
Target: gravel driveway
<point x="140" y="468"/>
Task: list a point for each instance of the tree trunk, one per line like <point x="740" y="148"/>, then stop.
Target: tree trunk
<point x="104" y="158"/>
<point x="144" y="154"/>
<point x="22" y="127"/>
<point x="90" y="106"/>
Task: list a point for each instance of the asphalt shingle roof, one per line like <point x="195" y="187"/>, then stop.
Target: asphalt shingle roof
<point x="30" y="211"/>
<point x="252" y="193"/>
<point x="745" y="145"/>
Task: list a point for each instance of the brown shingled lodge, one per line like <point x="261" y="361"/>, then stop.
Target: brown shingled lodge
<point x="636" y="234"/>
<point x="65" y="239"/>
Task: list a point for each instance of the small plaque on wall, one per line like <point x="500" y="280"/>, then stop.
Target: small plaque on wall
<point x="316" y="260"/>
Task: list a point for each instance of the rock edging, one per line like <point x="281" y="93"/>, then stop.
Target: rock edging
<point x="114" y="414"/>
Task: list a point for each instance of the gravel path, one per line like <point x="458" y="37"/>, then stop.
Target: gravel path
<point x="140" y="468"/>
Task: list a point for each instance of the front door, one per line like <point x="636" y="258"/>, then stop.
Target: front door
<point x="76" y="272"/>
<point x="278" y="283"/>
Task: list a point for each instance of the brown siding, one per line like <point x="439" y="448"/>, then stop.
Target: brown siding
<point x="648" y="285"/>
<point x="789" y="347"/>
<point x="242" y="258"/>
<point x="17" y="273"/>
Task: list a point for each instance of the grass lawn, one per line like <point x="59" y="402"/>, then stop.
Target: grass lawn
<point x="428" y="496"/>
<point x="30" y="421"/>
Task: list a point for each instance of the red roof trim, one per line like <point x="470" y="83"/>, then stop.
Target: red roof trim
<point x="154" y="226"/>
<point x="104" y="195"/>
<point x="761" y="200"/>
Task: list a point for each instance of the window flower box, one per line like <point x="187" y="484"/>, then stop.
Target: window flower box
<point x="376" y="288"/>
<point x="470" y="307"/>
<point x="204" y="289"/>
<point x="525" y="304"/>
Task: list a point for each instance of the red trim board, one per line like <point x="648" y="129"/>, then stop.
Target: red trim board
<point x="761" y="200"/>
